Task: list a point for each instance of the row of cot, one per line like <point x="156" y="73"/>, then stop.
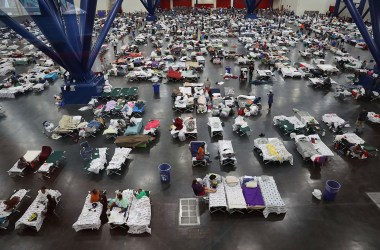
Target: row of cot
<point x="34" y="216"/>
<point x="247" y="193"/>
<point x="136" y="217"/>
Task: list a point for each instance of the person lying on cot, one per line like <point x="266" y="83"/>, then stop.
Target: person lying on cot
<point x="200" y="190"/>
<point x="120" y="202"/>
<point x="140" y="193"/>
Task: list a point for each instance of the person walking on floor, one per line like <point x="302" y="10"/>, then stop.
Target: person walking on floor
<point x="362" y="117"/>
<point x="270" y="99"/>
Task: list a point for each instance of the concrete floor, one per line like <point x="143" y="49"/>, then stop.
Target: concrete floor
<point x="350" y="222"/>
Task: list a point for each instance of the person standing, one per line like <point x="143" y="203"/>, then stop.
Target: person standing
<point x="270" y="99"/>
<point x="362" y="117"/>
<point x="251" y="68"/>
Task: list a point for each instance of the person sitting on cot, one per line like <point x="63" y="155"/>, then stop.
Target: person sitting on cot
<point x="120" y="202"/>
<point x="200" y="190"/>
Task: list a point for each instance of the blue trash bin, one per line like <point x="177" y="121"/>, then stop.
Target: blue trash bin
<point x="164" y="172"/>
<point x="331" y="190"/>
<point x="156" y="88"/>
<point x="228" y="70"/>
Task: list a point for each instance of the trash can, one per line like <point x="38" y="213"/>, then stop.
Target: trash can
<point x="156" y="88"/>
<point x="228" y="70"/>
<point x="331" y="190"/>
<point x="164" y="172"/>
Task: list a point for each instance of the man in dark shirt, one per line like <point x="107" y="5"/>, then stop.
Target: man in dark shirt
<point x="362" y="117"/>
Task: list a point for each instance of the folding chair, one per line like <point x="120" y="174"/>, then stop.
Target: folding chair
<point x="194" y="146"/>
<point x="45" y="153"/>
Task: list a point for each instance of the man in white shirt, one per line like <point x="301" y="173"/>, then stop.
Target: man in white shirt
<point x="42" y="194"/>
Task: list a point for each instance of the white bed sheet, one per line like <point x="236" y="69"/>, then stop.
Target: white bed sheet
<point x="332" y="118"/>
<point x="38" y="208"/>
<point x="272" y="198"/>
<point x="217" y="199"/>
<point x="235" y="197"/>
<point x="351" y="138"/>
<point x="225" y="147"/>
<point x="89" y="218"/>
<point x="119" y="157"/>
<point x="139" y="216"/>
<point x="98" y="164"/>
<point x="283" y="154"/>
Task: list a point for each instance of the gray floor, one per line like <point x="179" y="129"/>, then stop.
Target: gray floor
<point x="350" y="222"/>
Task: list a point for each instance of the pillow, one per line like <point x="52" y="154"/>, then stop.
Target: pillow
<point x="232" y="181"/>
<point x="251" y="184"/>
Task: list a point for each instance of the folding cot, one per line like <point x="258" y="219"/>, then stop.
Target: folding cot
<point x="30" y="156"/>
<point x="189" y="126"/>
<point x="138" y="108"/>
<point x="346" y="142"/>
<point x="117" y="219"/>
<point x="89" y="218"/>
<point x="311" y="146"/>
<point x="36" y="210"/>
<point x="114" y="94"/>
<point x="117" y="161"/>
<point x="272" y="150"/>
<point x="194" y="146"/>
<point x="51" y="163"/>
<point x="373" y="117"/>
<point x="252" y="193"/>
<point x="98" y="160"/>
<point x="226" y="153"/>
<point x="4" y="215"/>
<point x="134" y="129"/>
<point x="215" y="126"/>
<point x="133" y="141"/>
<point x="240" y="126"/>
<point x="288" y="124"/>
<point x="234" y="195"/>
<point x="151" y="127"/>
<point x="334" y="122"/>
<point x="272" y="198"/>
<point x="112" y="130"/>
<point x="216" y="201"/>
<point x="67" y="125"/>
<point x="130" y="93"/>
<point x="139" y="216"/>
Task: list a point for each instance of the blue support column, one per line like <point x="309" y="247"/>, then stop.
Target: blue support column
<point x="150" y="6"/>
<point x="337" y="7"/>
<point x="251" y="6"/>
<point x="371" y="43"/>
<point x="103" y="33"/>
<point x="361" y="6"/>
<point x="70" y="42"/>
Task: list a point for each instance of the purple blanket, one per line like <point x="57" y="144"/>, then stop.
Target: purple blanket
<point x="253" y="196"/>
